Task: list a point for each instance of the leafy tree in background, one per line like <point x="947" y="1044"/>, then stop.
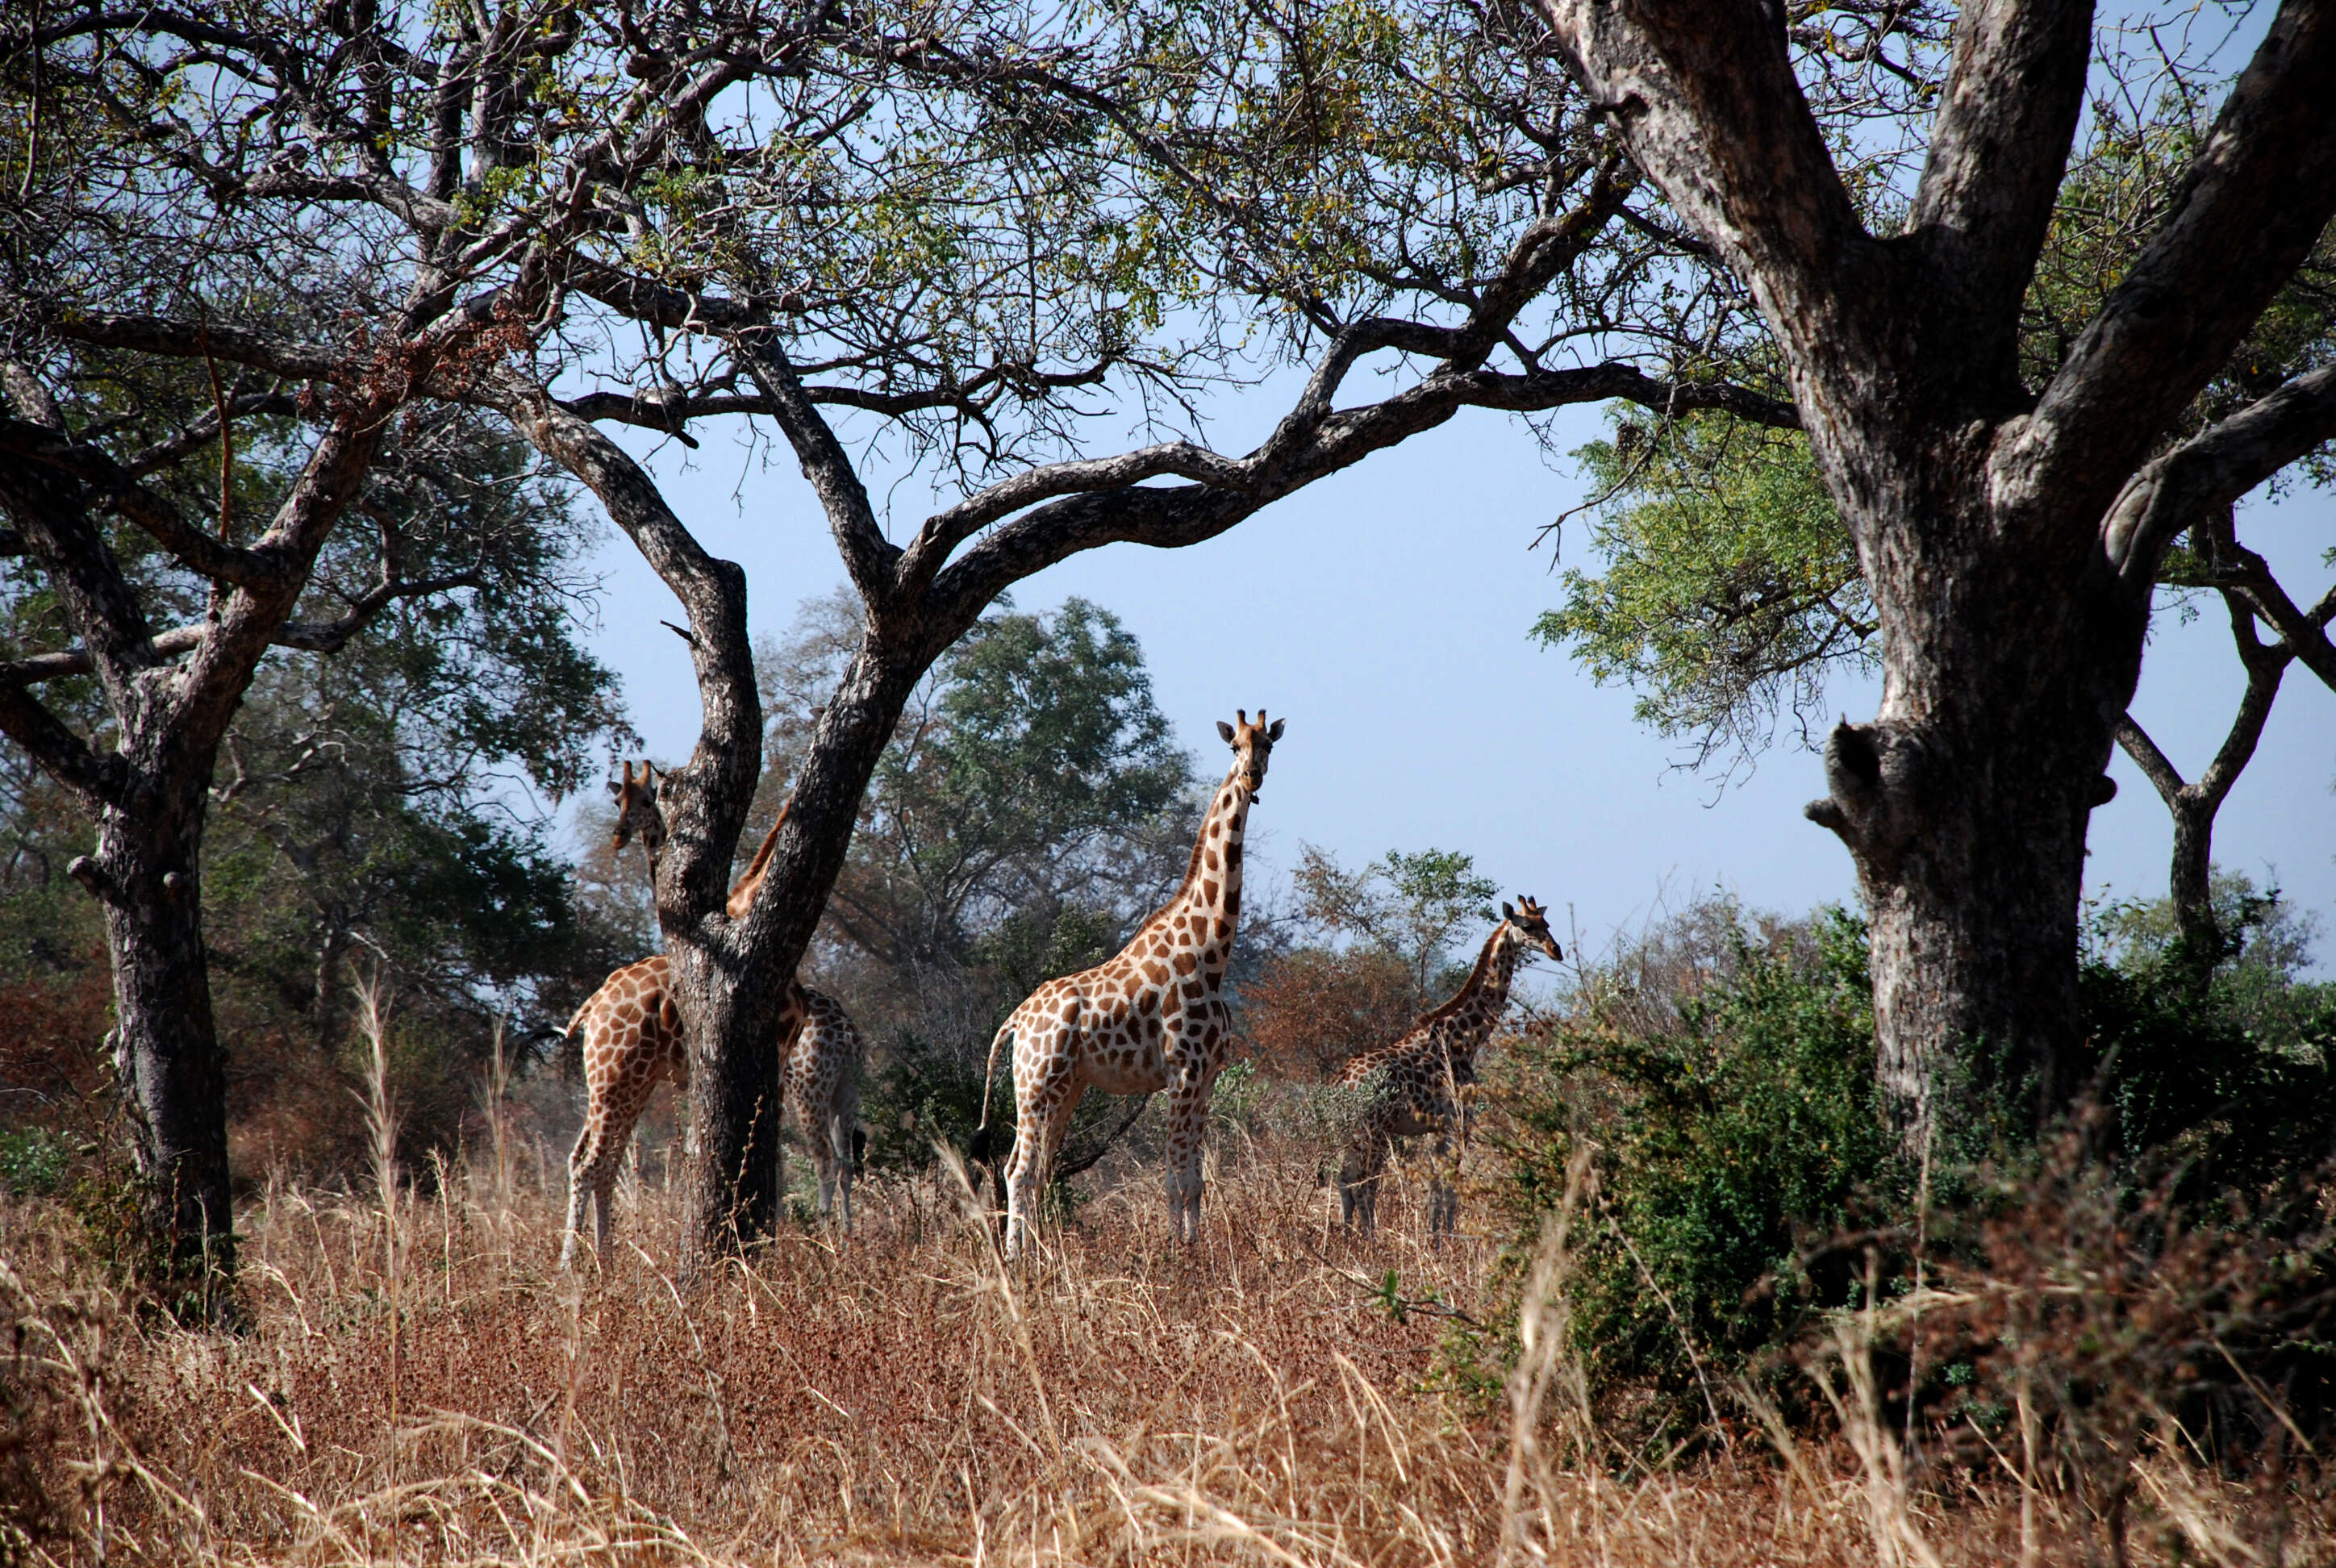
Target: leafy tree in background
<point x="1031" y="809"/>
<point x="1729" y="589"/>
<point x="374" y="814"/>
<point x="1374" y="948"/>
<point x="1409" y="905"/>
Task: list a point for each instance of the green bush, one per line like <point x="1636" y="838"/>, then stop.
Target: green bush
<point x="925" y="1094"/>
<point x="1722" y="1078"/>
<point x="33" y="1163"/>
<point x="1727" y="1144"/>
<point x="2228" y="1067"/>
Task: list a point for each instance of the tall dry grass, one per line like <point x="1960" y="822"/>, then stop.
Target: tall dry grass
<point x="417" y="1382"/>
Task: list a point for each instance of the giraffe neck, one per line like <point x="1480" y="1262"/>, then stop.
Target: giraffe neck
<point x="741" y="894"/>
<point x="1469" y="1017"/>
<point x="1212" y="880"/>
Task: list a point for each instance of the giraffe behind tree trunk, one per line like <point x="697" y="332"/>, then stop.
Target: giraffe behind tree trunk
<point x="633" y="1040"/>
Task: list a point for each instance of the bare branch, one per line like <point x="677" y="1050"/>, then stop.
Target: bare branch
<point x="1302" y="451"/>
<point x="2303" y="632"/>
<point x="280" y="355"/>
<point x="868" y="555"/>
<point x="2214" y="468"/>
<point x="99" y="780"/>
<point x="2155" y="764"/>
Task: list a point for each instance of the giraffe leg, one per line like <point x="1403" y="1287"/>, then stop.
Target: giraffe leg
<point x="819" y="1132"/>
<point x="1042" y="1109"/>
<point x="1359" y="1180"/>
<point x="1188" y="1126"/>
<point x="578" y="1190"/>
<point x="1443" y="1199"/>
<point x="841" y="1122"/>
<point x="608" y="1124"/>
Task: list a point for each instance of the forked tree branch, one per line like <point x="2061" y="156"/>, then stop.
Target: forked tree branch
<point x="1704" y="95"/>
<point x="866" y="554"/>
<point x="1999" y="147"/>
<point x="2257" y="195"/>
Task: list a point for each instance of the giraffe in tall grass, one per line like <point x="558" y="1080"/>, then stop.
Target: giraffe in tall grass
<point x="1151" y="1019"/>
<point x="1417" y="1084"/>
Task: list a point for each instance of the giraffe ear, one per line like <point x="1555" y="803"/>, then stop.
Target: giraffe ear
<point x="1226" y="730"/>
<point x="1507" y="913"/>
<point x="1275" y="732"/>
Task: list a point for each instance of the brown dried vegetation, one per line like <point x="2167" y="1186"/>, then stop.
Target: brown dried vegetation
<point x="1261" y="1399"/>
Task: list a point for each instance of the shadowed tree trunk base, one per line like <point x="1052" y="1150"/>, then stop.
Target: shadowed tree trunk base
<point x="167" y="1057"/>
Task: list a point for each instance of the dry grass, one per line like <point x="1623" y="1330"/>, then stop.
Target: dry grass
<point x="899" y="1398"/>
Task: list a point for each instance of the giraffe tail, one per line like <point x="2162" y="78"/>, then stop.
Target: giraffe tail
<point x="981" y="1147"/>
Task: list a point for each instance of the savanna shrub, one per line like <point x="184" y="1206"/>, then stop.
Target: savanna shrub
<point x="1722" y="1076"/>
<point x="2227" y="1065"/>
<point x="924" y="1093"/>
<point x="1730" y="1139"/>
<point x="33" y="1162"/>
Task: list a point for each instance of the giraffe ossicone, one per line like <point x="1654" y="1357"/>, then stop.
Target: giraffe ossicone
<point x="633" y="1041"/>
<point x="1151" y="1018"/>
<point x="1418" y="1084"/>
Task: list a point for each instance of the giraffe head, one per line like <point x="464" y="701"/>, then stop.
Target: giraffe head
<point x="1530" y="922"/>
<point x="637" y="810"/>
<point x="1253" y="744"/>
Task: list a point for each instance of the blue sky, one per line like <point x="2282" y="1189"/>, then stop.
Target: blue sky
<point x="1384" y="612"/>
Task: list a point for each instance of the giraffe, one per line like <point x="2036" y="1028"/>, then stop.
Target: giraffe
<point x="633" y="1041"/>
<point x="1151" y="1019"/>
<point x="1413" y="1085"/>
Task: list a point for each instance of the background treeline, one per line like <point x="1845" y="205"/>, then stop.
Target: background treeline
<point x="382" y="813"/>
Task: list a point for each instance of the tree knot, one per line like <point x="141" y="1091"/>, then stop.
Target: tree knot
<point x="1876" y="774"/>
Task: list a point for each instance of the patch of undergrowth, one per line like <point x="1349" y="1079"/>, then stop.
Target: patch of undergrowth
<point x="1745" y="1185"/>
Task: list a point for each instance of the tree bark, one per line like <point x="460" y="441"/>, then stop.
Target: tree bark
<point x="2010" y="536"/>
<point x="148" y="793"/>
<point x="146" y="873"/>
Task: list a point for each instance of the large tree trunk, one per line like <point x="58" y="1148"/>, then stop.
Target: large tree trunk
<point x="1965" y="804"/>
<point x="146" y="873"/>
<point x="733" y="1198"/>
<point x="2009" y="531"/>
<point x="736" y="975"/>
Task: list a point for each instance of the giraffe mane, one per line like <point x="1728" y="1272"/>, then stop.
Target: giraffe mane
<point x="743" y="893"/>
<point x="1192" y="866"/>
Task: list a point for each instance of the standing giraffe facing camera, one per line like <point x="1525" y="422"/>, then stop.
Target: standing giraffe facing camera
<point x="1151" y="1018"/>
<point x="633" y="1041"/>
<point x="1414" y="1086"/>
